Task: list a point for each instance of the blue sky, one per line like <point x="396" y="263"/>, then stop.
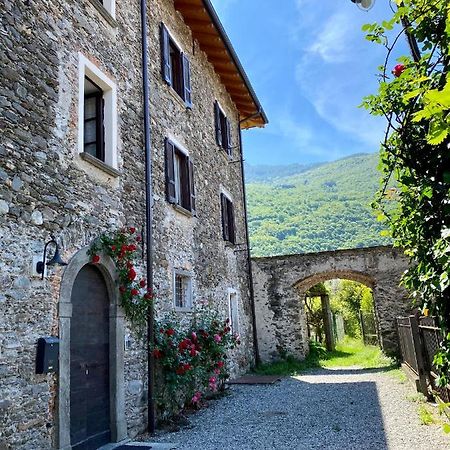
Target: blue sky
<point x="310" y="66"/>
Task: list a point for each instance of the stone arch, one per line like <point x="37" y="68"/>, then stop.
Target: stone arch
<point x="116" y="363"/>
<point x="278" y="281"/>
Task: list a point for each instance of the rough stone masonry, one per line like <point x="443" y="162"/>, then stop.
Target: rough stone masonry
<point x="47" y="188"/>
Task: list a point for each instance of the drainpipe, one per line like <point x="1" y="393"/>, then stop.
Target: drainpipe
<point x="148" y="219"/>
<point x="247" y="241"/>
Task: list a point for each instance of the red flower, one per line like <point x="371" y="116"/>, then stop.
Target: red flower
<point x="132" y="230"/>
<point x="123" y="249"/>
<point x="122" y="289"/>
<point x="131" y="274"/>
<point x="220" y="364"/>
<point x="138" y="238"/>
<point x="95" y="259"/>
<point x="142" y="283"/>
<point x="193" y="352"/>
<point x="157" y="353"/>
<point x="398" y="70"/>
<point x="148" y="296"/>
<point x="132" y="248"/>
<point x="184" y="344"/>
<point x="113" y="248"/>
<point x="134" y="292"/>
<point x="170" y="332"/>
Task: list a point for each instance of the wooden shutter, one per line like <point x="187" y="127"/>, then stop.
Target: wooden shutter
<point x="170" y="171"/>
<point x="224" y="204"/>
<point x="218" y="124"/>
<point x="186" y="80"/>
<point x="185" y="191"/>
<point x="229" y="146"/>
<point x="165" y="55"/>
<point x="231" y="227"/>
<point x="191" y="185"/>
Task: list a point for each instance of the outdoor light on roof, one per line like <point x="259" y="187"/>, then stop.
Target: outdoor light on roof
<point x="365" y="5"/>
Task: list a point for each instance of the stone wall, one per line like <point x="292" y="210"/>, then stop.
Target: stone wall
<point x="46" y="188"/>
<point x="281" y="282"/>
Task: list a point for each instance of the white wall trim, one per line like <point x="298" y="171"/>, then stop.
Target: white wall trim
<point x="110" y="6"/>
<point x="189" y="299"/>
<point x="178" y="144"/>
<point x="87" y="69"/>
<point x="226" y="193"/>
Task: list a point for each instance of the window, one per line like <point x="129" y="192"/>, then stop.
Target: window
<point x="179" y="177"/>
<point x="228" y="226"/>
<point x="97" y="112"/>
<point x="182" y="290"/>
<point x="223" y="130"/>
<point x="233" y="312"/>
<point x="176" y="69"/>
<point x="94" y="131"/>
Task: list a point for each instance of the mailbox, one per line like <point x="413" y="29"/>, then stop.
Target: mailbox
<point x="47" y="356"/>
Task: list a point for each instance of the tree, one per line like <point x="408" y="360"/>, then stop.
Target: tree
<point x="415" y="100"/>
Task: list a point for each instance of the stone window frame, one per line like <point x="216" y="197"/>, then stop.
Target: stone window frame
<point x="87" y="69"/>
<point x="175" y="200"/>
<point x="234" y="317"/>
<point x="107" y="9"/>
<point x="222" y="127"/>
<point x="183" y="92"/>
<point x="189" y="299"/>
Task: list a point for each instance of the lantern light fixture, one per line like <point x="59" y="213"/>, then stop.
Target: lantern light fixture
<point x="56" y="260"/>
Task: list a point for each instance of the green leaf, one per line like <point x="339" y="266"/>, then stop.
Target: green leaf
<point x="437" y="133"/>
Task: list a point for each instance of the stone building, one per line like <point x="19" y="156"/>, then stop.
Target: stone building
<point x="72" y="166"/>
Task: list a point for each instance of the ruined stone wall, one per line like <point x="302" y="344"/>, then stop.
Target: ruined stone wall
<point x="46" y="188"/>
<point x="281" y="282"/>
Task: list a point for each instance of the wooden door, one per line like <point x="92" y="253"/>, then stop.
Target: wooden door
<point x="89" y="361"/>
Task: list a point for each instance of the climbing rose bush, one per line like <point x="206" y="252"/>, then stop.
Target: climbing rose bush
<point x="191" y="360"/>
<point x="122" y="247"/>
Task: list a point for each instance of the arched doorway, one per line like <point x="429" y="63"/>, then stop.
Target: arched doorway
<point x="89" y="361"/>
<point x="91" y="332"/>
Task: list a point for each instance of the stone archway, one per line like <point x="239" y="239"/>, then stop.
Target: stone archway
<point x="116" y="354"/>
<point x="280" y="281"/>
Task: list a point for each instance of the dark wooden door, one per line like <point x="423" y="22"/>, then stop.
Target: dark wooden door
<point x="89" y="361"/>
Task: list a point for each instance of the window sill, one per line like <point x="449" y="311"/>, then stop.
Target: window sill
<point x="182" y="210"/>
<point x="229" y="244"/>
<point x="225" y="155"/>
<point x="183" y="310"/>
<point x="104" y="13"/>
<point x="177" y="97"/>
<point x="100" y="164"/>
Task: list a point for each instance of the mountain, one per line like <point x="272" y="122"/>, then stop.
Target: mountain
<point x="300" y="209"/>
<point x="263" y="173"/>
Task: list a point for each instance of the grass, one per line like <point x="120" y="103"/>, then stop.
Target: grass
<point x="426" y="416"/>
<point x="350" y="352"/>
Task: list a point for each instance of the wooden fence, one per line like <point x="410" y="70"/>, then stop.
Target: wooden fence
<point x="419" y="340"/>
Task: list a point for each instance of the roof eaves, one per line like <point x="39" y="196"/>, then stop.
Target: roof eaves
<point x="221" y="30"/>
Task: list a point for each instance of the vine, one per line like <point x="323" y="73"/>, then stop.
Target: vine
<point x="415" y="99"/>
<point x="135" y="296"/>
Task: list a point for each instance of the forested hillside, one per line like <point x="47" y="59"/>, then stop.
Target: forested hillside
<point x="325" y="207"/>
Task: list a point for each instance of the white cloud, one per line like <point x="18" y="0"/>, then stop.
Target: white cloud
<point x="332" y="42"/>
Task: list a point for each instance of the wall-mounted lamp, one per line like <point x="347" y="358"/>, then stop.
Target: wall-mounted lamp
<point x="55" y="261"/>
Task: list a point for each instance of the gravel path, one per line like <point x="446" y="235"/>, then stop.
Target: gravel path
<point x="323" y="409"/>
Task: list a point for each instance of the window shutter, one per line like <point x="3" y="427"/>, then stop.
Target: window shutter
<point x="191" y="185"/>
<point x="231" y="227"/>
<point x="225" y="230"/>
<point x="170" y="171"/>
<point x="218" y="124"/>
<point x="187" y="81"/>
<point x="229" y="147"/>
<point x="165" y="55"/>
